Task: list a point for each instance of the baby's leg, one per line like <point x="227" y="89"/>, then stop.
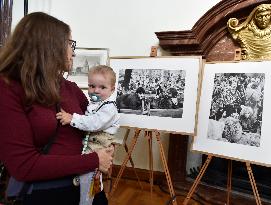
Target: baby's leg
<point x="85" y="183"/>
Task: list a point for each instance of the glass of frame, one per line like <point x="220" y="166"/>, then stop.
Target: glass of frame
<point x="157" y="93"/>
<point x="234" y="111"/>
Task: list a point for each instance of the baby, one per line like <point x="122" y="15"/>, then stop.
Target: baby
<point x="101" y="120"/>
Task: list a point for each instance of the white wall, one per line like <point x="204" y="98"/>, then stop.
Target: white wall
<point x="127" y="28"/>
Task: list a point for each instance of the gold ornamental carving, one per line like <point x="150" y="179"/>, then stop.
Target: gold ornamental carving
<point x="254" y="34"/>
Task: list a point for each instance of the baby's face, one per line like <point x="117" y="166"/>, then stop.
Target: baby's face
<point x="101" y="85"/>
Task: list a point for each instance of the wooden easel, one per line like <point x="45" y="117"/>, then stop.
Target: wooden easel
<point x="130" y="159"/>
<point x="124" y="143"/>
<point x="202" y="171"/>
<point x="149" y="135"/>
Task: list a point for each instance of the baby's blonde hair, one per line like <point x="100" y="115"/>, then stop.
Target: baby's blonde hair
<point x="104" y="70"/>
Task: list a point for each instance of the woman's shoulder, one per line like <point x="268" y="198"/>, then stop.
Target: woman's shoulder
<point x="72" y="88"/>
<point x="70" y="85"/>
<point x="68" y="82"/>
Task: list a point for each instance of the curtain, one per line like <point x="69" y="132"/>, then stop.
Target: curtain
<point x="5" y="20"/>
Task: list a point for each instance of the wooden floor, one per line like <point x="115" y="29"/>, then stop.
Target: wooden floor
<point x="128" y="192"/>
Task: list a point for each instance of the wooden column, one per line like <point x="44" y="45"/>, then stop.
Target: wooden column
<point x="177" y="157"/>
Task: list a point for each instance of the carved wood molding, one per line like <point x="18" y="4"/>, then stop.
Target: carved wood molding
<point x="210" y="32"/>
<point x="209" y="38"/>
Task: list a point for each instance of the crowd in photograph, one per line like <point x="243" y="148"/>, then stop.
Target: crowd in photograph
<point x="237" y="102"/>
<point x="161" y="89"/>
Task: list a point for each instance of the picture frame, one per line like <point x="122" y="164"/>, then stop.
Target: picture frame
<point x="169" y="87"/>
<point x="233" y="111"/>
<point x="84" y="59"/>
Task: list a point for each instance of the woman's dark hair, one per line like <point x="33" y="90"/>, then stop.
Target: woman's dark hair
<point x="36" y="56"/>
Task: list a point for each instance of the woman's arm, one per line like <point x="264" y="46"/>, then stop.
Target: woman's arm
<point x="19" y="153"/>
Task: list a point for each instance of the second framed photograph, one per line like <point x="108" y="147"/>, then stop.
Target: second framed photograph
<point x="234" y="110"/>
<point x="157" y="93"/>
<point x="84" y="59"/>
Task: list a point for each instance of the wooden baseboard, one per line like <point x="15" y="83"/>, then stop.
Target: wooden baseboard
<point x="143" y="174"/>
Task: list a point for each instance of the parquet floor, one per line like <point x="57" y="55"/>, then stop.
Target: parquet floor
<point x="128" y="192"/>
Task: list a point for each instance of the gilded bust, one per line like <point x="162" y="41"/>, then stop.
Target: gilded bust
<point x="254" y="34"/>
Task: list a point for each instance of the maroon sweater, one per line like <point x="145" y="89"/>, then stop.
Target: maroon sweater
<point x="23" y="131"/>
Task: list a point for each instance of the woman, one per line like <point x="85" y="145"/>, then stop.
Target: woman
<point x="31" y="85"/>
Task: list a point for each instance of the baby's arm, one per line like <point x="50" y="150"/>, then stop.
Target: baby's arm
<point x="93" y="122"/>
<point x="64" y="117"/>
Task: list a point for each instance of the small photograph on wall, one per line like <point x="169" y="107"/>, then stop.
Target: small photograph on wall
<point x="83" y="61"/>
<point x="157" y="93"/>
<point x="234" y="111"/>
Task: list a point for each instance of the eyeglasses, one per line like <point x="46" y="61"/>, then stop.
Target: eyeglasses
<point x="72" y="43"/>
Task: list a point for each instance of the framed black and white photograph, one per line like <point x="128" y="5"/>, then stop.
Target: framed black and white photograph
<point x="157" y="93"/>
<point x="84" y="60"/>
<point x="234" y="110"/>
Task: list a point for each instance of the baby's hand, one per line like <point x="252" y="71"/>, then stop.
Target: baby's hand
<point x="64" y="117"/>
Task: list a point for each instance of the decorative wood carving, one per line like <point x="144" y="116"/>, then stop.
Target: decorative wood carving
<point x="209" y="38"/>
<point x="254" y="34"/>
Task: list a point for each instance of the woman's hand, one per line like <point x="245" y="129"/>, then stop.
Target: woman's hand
<point x="105" y="158"/>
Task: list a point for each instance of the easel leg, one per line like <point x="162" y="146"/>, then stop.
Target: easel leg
<point x="253" y="184"/>
<point x="133" y="143"/>
<point x="109" y="180"/>
<point x="229" y="181"/>
<point x="162" y="153"/>
<point x="148" y="134"/>
<point x="130" y="159"/>
<point x="196" y="182"/>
